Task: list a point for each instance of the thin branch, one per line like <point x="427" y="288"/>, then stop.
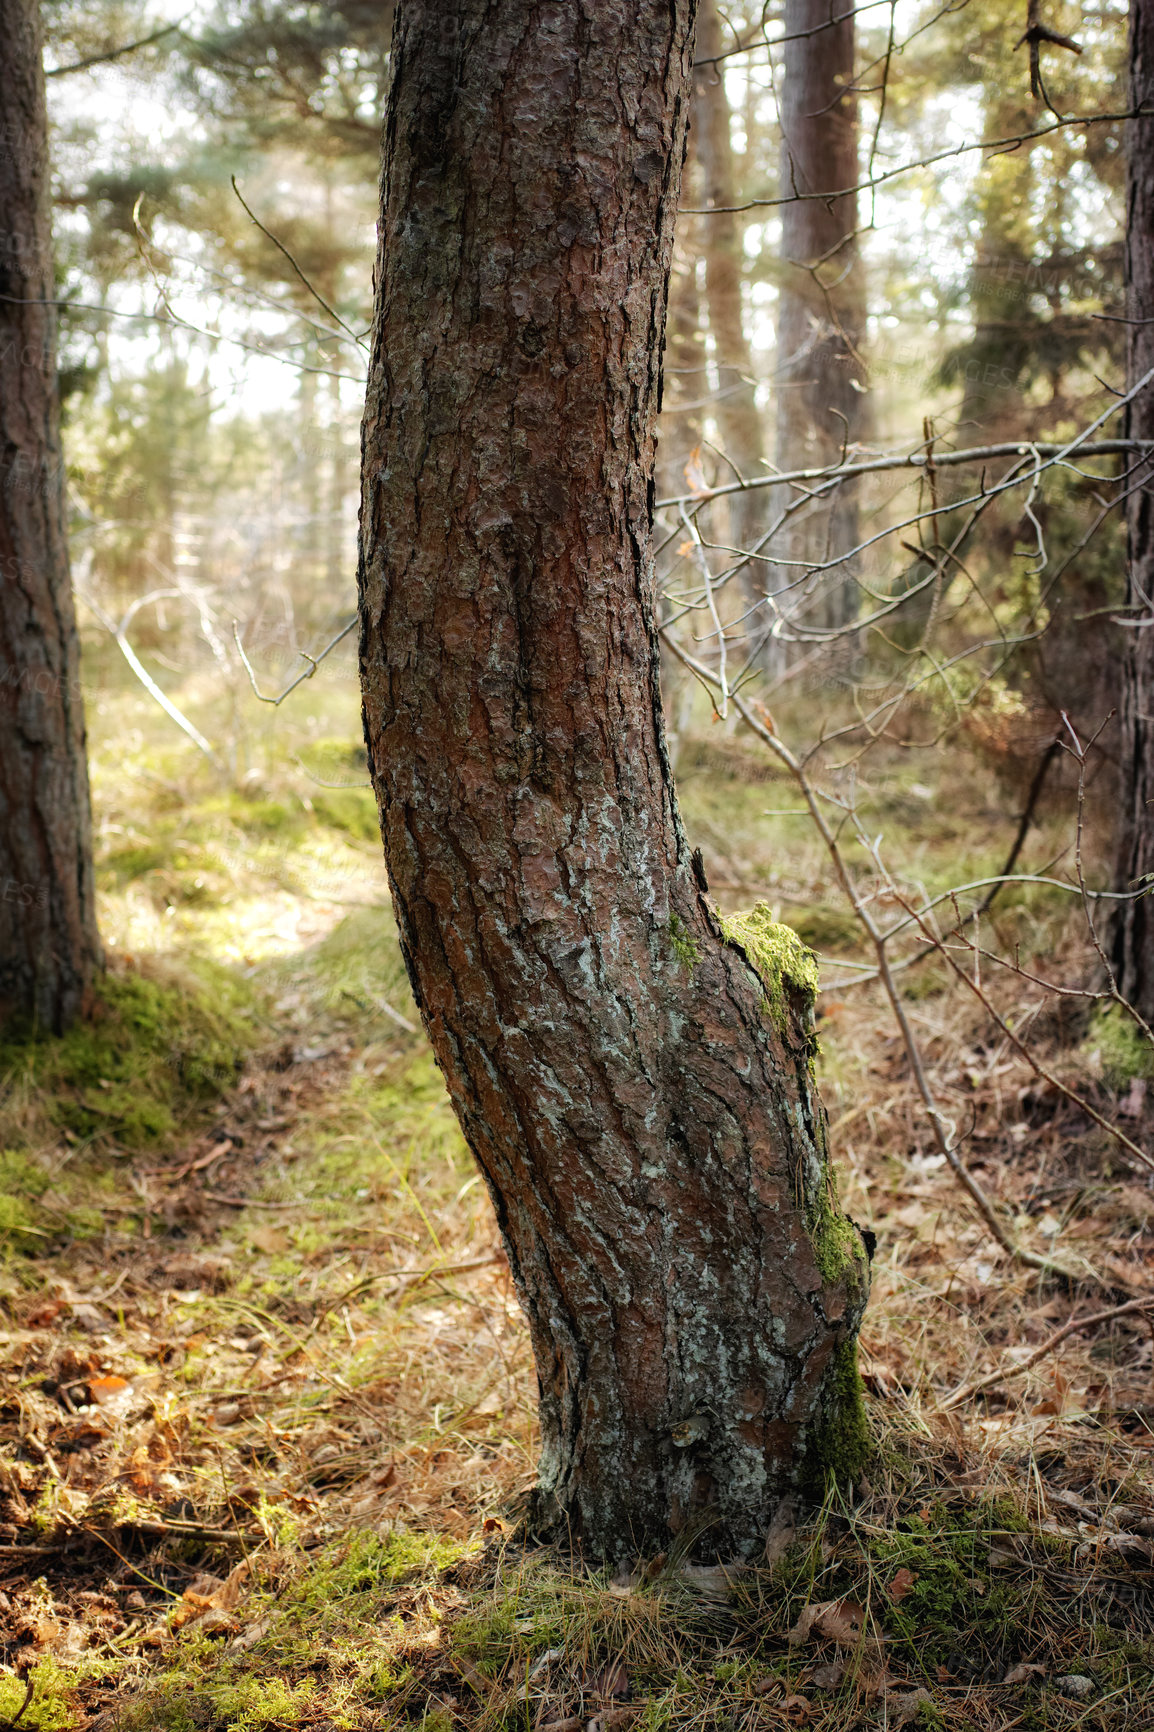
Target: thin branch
<point x="138" y="667"/>
<point x="281" y="248"/>
<point x="115" y="53"/>
<point x="966" y="1391"/>
<point x="313" y="661"/>
<point x="1013" y="142"/>
<point x="944" y="1132"/>
<point x="915" y="460"/>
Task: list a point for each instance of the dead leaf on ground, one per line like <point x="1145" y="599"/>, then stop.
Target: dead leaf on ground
<point x="271" y="1240"/>
<point x="610" y="1680"/>
<point x="828" y="1677"/>
<point x="840" y="1621"/>
<point x="1022" y="1674"/>
<point x="905" y="1708"/>
<point x="797" y="1710"/>
<point x="781" y="1531"/>
<point x="903" y="1580"/>
<point x="105" y="1390"/>
<point x="713" y="1581"/>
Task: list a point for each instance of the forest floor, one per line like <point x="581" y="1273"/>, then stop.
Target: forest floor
<point x="266" y="1401"/>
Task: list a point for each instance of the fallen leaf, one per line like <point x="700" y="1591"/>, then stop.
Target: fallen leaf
<point x="189" y="1608"/>
<point x="271" y="1240"/>
<point x="712" y="1581"/>
<point x="251" y="1634"/>
<point x="1022" y="1673"/>
<point x="797" y="1710"/>
<point x="104" y="1390"/>
<point x="828" y="1677"/>
<point x="905" y="1708"/>
<point x="781" y="1531"/>
<point x="839" y="1621"/>
<point x="612" y="1718"/>
<point x="900" y="1586"/>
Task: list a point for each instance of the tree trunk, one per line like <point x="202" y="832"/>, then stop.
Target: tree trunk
<point x="737" y="413"/>
<point x="49" y="948"/>
<point x="638" y="1095"/>
<point x="1134" y="931"/>
<point x="821" y="307"/>
<point x="680" y="434"/>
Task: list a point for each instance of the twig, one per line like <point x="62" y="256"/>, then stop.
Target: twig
<point x="138" y="667"/>
<point x="1019" y="1045"/>
<point x="943" y="1131"/>
<point x="281" y="248"/>
<point x="966" y="1390"/>
<point x="313" y="661"/>
<point x="113" y="54"/>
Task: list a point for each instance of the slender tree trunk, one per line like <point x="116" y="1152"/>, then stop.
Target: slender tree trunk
<point x="49" y="948"/>
<point x="821" y="309"/>
<point x="738" y="416"/>
<point x="638" y="1096"/>
<point x="680" y="436"/>
<point x="1134" y="931"/>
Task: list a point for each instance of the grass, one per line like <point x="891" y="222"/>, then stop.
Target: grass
<point x="251" y="1284"/>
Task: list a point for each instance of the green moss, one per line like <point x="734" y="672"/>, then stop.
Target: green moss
<point x="837" y="1246"/>
<point x="787" y="967"/>
<point x="52" y="1706"/>
<point x="148" y="1052"/>
<point x="839" y="1442"/>
<point x="18" y="1229"/>
<point x="331" y="1642"/>
<point x="1124" y="1050"/>
<point x="353" y="810"/>
<point x="682" y="943"/>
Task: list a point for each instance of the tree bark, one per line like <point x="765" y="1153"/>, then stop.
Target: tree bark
<point x="49" y="947"/>
<point x="1134" y="930"/>
<point x="821" y="306"/>
<point x="638" y="1096"/>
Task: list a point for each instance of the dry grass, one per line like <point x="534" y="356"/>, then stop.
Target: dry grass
<point x="267" y="1399"/>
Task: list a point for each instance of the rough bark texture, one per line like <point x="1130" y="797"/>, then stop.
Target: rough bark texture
<point x="821" y="309"/>
<point x="738" y="416"/>
<point x="49" y="947"/>
<point x="1134" y="932"/>
<point x="638" y="1097"/>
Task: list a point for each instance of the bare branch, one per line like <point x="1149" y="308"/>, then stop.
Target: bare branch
<point x="313" y="661"/>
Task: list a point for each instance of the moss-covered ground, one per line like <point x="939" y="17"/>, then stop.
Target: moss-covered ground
<point x="266" y="1403"/>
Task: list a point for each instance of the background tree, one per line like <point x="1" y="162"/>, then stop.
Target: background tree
<point x="821" y="306"/>
<point x="632" y="1074"/>
<point x="49" y="947"/>
<point x="739" y="418"/>
<point x="1134" y="935"/>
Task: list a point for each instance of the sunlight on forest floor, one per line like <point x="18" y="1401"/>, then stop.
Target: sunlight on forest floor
<point x="267" y="1396"/>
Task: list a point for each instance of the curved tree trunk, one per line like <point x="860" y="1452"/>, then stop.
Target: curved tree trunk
<point x="49" y="948"/>
<point x="1134" y="932"/>
<point x="638" y="1096"/>
<point x="821" y="308"/>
